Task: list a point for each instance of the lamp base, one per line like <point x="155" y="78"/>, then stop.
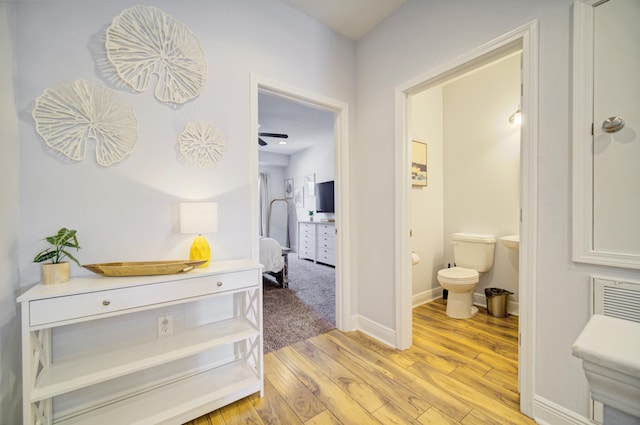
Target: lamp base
<point x="200" y="250"/>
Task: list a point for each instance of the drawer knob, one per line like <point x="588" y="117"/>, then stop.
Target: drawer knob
<point x="219" y="283"/>
<point x="106" y="302"/>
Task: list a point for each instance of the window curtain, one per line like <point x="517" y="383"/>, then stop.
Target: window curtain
<point x="263" y="191"/>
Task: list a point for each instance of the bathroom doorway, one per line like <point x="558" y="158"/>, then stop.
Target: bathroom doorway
<point x="521" y="39"/>
<point x="472" y="182"/>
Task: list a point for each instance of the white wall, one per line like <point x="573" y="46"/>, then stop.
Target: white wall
<point x="129" y="211"/>
<point x="10" y="376"/>
<point x="419" y="37"/>
<point x="482" y="164"/>
<point x="319" y="160"/>
<point x="427" y="206"/>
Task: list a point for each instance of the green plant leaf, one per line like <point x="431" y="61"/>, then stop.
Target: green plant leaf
<point x="71" y="257"/>
<point x="44" y="256"/>
<point x="65" y="238"/>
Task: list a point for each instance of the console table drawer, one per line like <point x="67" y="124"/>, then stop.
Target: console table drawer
<point x="85" y="305"/>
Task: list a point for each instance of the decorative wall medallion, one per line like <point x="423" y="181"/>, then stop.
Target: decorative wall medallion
<point x="201" y="144"/>
<point x="71" y="113"/>
<point x="143" y="41"/>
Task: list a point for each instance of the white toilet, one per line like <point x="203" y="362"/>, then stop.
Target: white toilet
<point x="473" y="254"/>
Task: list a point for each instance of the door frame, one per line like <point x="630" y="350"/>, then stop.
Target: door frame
<point x="526" y="37"/>
<point x="344" y="272"/>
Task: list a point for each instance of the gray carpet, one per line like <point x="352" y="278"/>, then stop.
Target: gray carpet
<point x="305" y="309"/>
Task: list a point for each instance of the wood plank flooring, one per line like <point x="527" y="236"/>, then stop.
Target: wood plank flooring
<point x="456" y="372"/>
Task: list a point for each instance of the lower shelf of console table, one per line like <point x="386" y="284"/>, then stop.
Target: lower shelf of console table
<point x="206" y="364"/>
<point x="177" y="402"/>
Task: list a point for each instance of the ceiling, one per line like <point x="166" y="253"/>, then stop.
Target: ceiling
<point x="351" y="18"/>
<point x="306" y="126"/>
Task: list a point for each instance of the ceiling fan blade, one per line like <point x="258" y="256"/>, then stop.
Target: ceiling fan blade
<point x="261" y="142"/>
<point x="278" y="135"/>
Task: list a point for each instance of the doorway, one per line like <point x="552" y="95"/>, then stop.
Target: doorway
<point x="462" y="126"/>
<point x="525" y="39"/>
<point x="342" y="211"/>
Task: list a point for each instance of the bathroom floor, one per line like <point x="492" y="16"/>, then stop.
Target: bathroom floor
<point x="456" y="372"/>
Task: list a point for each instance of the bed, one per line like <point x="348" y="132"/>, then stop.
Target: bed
<point x="274" y="260"/>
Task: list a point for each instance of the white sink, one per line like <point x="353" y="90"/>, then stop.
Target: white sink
<point x="511" y="242"/>
<point x="609" y="349"/>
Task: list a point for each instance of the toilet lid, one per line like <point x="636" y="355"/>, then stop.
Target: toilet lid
<point x="458" y="274"/>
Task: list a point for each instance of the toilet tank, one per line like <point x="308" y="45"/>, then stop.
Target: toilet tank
<point x="474" y="251"/>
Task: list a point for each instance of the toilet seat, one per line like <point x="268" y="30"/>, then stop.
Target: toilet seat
<point x="459" y="275"/>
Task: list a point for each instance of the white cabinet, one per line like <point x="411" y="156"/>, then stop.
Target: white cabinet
<point x="127" y="374"/>
<point x="306" y="240"/>
<point x="317" y="241"/>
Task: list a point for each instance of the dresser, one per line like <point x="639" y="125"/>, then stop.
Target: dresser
<point x="94" y="349"/>
<point x="317" y="241"/>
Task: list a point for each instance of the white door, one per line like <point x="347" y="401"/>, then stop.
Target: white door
<point x="616" y="174"/>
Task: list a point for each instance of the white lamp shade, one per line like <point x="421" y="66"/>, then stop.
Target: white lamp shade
<point x="198" y="217"/>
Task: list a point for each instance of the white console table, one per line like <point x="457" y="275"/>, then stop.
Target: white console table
<point x="128" y="374"/>
<point x="317" y="241"/>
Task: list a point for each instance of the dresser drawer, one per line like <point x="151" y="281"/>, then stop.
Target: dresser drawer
<point x="326" y="242"/>
<point x="306" y="243"/>
<point x="306" y="252"/>
<point x="307" y="239"/>
<point x="307" y="234"/>
<point x="327" y="230"/>
<point x="85" y="305"/>
<point x="307" y="227"/>
<point x="327" y="256"/>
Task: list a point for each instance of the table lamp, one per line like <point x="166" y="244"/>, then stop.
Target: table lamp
<point x="199" y="217"/>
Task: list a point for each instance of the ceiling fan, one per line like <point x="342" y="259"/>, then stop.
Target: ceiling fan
<point x="261" y="141"/>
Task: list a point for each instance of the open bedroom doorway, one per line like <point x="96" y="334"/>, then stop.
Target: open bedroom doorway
<point x="297" y="170"/>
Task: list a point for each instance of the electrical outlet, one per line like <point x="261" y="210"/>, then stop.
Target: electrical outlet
<point x="165" y="326"/>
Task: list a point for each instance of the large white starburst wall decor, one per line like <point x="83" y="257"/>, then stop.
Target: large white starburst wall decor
<point x="201" y="144"/>
<point x="72" y="113"/>
<point x="143" y="41"/>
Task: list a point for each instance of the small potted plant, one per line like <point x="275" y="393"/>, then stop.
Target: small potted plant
<point x="57" y="270"/>
<point x="310" y="215"/>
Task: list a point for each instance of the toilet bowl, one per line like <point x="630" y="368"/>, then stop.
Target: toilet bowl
<point x="460" y="283"/>
<point x="473" y="255"/>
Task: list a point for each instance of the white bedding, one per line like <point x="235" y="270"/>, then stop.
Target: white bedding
<point x="271" y="255"/>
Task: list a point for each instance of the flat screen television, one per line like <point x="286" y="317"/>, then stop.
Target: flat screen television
<point x="324" y="197"/>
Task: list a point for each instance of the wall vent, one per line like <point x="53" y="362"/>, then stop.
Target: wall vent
<point x="616" y="299"/>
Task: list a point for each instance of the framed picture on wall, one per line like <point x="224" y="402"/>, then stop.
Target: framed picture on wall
<point x="418" y="163"/>
<point x="298" y="197"/>
<point x="310" y="185"/>
<point x="288" y="188"/>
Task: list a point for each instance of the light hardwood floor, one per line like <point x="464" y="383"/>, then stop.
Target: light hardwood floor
<point x="456" y="372"/>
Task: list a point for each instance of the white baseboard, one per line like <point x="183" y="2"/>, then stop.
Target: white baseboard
<point x="546" y="412"/>
<point x="375" y="330"/>
<point x="426" y="296"/>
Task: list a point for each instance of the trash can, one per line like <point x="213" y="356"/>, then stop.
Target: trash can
<point x="497" y="301"/>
